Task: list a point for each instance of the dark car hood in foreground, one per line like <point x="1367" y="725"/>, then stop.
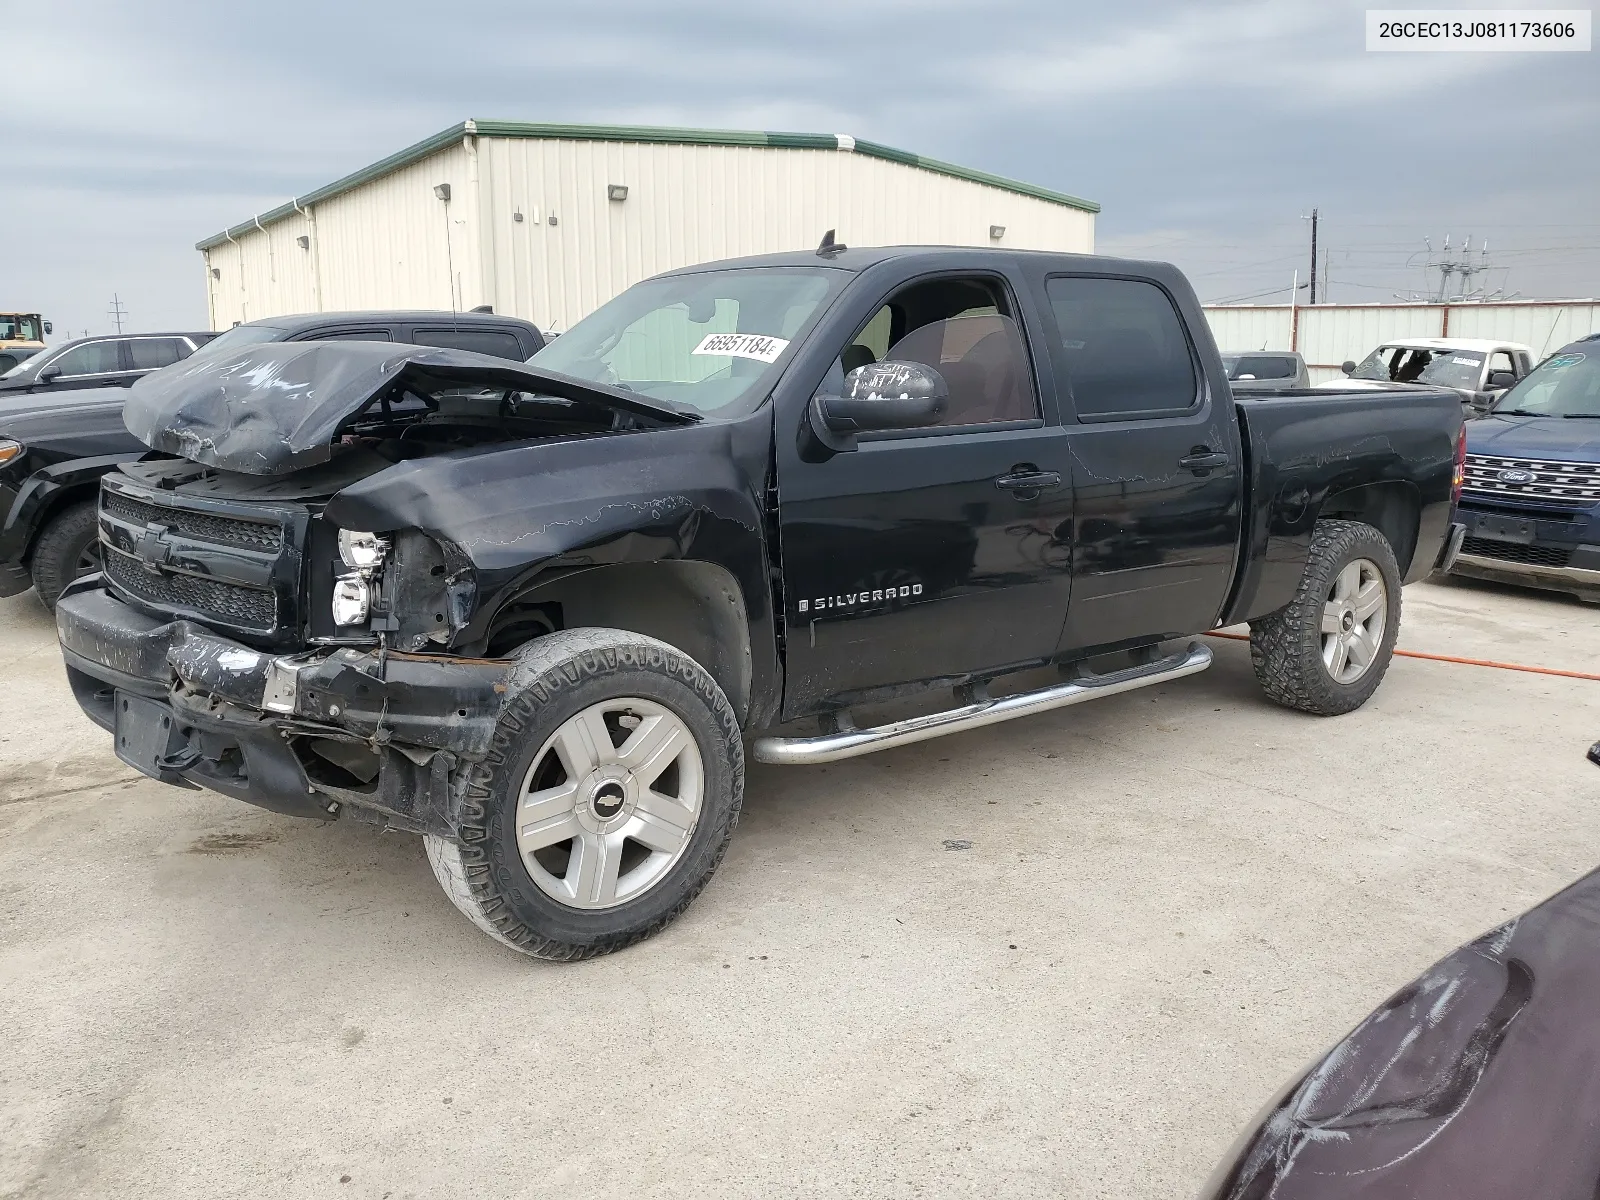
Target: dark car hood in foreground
<point x="1552" y="439"/>
<point x="1478" y="1080"/>
<point x="274" y="408"/>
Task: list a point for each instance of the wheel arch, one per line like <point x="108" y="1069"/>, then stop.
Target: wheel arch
<point x="1393" y="508"/>
<point x="694" y="606"/>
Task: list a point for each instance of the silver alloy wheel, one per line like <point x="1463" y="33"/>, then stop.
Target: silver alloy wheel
<point x="1353" y="619"/>
<point x="609" y="803"/>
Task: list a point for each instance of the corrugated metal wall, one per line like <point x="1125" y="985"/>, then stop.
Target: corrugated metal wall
<point x="383" y="244"/>
<point x="1328" y="334"/>
<point x="690" y="204"/>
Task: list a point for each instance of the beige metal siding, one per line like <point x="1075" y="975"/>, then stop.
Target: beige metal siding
<point x="690" y="204"/>
<point x="383" y="244"/>
<point x="1328" y="334"/>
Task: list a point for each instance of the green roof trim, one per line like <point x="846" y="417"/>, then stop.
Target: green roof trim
<point x="657" y="134"/>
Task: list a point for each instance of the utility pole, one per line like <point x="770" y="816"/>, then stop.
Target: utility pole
<point x="117" y="311"/>
<point x="1313" y="256"/>
<point x="1327" y="279"/>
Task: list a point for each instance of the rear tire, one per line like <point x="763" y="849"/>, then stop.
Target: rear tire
<point x="1326" y="651"/>
<point x="607" y="800"/>
<point x="68" y="548"/>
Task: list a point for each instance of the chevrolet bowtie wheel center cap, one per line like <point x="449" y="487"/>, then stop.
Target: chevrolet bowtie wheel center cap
<point x="607" y="800"/>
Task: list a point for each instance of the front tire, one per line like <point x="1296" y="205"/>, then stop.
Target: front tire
<point x="1326" y="651"/>
<point x="606" y="802"/>
<point x="68" y="548"/>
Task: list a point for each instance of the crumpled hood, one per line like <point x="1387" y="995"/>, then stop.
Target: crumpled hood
<point x="1551" y="439"/>
<point x="275" y="408"/>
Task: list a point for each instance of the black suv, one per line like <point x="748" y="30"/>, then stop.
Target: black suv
<point x="55" y="447"/>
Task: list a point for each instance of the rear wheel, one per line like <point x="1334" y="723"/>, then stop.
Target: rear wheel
<point x="606" y="803"/>
<point x="1326" y="651"/>
<point x="68" y="548"/>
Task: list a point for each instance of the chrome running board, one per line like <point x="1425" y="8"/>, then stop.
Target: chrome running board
<point x="848" y="741"/>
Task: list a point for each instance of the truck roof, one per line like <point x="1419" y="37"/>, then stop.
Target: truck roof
<point x="860" y="258"/>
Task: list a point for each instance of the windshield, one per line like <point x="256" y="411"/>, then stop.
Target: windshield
<point x="1564" y="385"/>
<point x="238" y="338"/>
<point x="1420" y="364"/>
<point x="702" y="343"/>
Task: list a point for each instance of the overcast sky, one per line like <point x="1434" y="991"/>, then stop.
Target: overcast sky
<point x="1205" y="130"/>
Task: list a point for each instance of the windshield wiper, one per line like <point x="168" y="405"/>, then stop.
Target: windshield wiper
<point x="1516" y="412"/>
<point x="1582" y="416"/>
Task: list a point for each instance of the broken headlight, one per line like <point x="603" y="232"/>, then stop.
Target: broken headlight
<point x="352" y="600"/>
<point x="362" y="551"/>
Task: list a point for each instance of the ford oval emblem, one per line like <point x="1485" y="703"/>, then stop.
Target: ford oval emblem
<point x="1516" y="475"/>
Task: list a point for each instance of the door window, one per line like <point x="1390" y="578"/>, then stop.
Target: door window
<point x="149" y="354"/>
<point x="1126" y="352"/>
<point x="962" y="328"/>
<point x="497" y="342"/>
<point x="92" y="358"/>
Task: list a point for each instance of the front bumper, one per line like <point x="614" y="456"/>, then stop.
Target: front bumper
<point x="384" y="735"/>
<point x="1580" y="581"/>
<point x="1512" y="543"/>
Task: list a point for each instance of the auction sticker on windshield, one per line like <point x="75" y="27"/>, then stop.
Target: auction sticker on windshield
<point x="1564" y="360"/>
<point x="743" y="345"/>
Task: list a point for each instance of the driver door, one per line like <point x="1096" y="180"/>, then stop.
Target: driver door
<point x="931" y="554"/>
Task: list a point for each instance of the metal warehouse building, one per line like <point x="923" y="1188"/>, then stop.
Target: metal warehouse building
<point x="548" y="222"/>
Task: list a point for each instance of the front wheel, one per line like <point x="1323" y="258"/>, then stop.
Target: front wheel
<point x="68" y="548"/>
<point x="606" y="802"/>
<point x="1326" y="651"/>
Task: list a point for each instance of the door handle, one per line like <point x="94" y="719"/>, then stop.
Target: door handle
<point x="1026" y="477"/>
<point x="1203" y="458"/>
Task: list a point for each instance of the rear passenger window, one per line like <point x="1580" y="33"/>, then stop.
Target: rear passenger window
<point x="1126" y="351"/>
<point x="150" y="354"/>
<point x="499" y="343"/>
<point x="1265" y="367"/>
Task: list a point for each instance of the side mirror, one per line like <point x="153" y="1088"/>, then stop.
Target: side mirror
<point x="1348" y="366"/>
<point x="1499" y="380"/>
<point x="882" y="395"/>
<point x="49" y="373"/>
<point x="1480" y="402"/>
<point x="48" y="329"/>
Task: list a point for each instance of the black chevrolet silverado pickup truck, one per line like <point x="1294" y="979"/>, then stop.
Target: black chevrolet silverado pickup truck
<point x="825" y="502"/>
<point x="56" y="444"/>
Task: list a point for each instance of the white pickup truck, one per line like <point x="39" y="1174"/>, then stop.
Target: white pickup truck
<point x="1479" y="369"/>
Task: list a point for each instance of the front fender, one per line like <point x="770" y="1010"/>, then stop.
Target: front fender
<point x="522" y="515"/>
<point x="42" y="492"/>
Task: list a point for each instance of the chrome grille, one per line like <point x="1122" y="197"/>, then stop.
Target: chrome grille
<point x="224" y="531"/>
<point x="237" y="605"/>
<point x="1573" y="484"/>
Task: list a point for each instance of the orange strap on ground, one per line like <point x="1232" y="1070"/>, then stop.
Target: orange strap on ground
<point x="1450" y="658"/>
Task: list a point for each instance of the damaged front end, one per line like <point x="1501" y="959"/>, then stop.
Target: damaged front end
<point x="241" y="640"/>
<point x="309" y="734"/>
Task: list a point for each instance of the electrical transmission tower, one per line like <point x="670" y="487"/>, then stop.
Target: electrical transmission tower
<point x="1462" y="264"/>
<point x="117" y="311"/>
